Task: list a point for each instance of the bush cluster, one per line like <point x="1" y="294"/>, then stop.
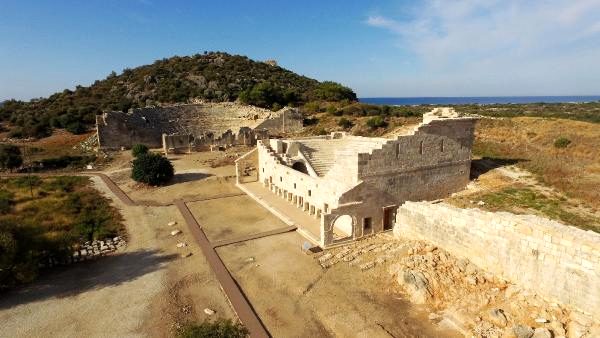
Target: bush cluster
<point x="139" y="149"/>
<point x="217" y="329"/>
<point x="562" y="142"/>
<point x="152" y="169"/>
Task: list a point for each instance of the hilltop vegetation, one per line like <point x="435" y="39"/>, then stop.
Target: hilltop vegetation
<point x="211" y="76"/>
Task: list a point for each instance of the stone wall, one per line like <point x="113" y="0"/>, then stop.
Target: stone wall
<point x="287" y="120"/>
<point x="549" y="258"/>
<point x="205" y="122"/>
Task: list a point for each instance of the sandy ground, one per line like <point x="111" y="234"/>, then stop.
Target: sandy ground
<point x="295" y="297"/>
<point x="232" y="217"/>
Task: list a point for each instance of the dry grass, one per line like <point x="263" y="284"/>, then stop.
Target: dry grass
<point x="574" y="170"/>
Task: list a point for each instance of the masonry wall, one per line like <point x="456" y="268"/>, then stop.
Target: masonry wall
<point x="288" y="121"/>
<point x="431" y="164"/>
<point x="554" y="260"/>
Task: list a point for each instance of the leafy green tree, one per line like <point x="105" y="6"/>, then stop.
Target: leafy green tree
<point x="217" y="329"/>
<point x="152" y="169"/>
<point x="139" y="149"/>
<point x="10" y="157"/>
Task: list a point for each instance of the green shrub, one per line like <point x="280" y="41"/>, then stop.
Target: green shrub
<point x="139" y="149"/>
<point x="562" y="142"/>
<point x="345" y="123"/>
<point x="64" y="183"/>
<point x="26" y="181"/>
<point x="65" y="162"/>
<point x="10" y="157"/>
<point x="76" y="128"/>
<point x="6" y="201"/>
<point x="321" y="131"/>
<point x="20" y="253"/>
<point x="152" y="169"/>
<point x="217" y="329"/>
<point x="376" y="122"/>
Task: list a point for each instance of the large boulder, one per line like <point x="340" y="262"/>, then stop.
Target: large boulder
<point x="416" y="285"/>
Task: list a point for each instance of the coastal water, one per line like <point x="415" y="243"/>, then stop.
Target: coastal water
<point x="477" y="100"/>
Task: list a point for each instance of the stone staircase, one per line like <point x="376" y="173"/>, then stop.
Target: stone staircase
<point x="321" y="153"/>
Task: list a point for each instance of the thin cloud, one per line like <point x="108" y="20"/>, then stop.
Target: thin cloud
<point x="499" y="40"/>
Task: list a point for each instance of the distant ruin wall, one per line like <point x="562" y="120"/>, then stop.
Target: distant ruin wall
<point x="204" y="122"/>
<point x="288" y="121"/>
<point x="551" y="259"/>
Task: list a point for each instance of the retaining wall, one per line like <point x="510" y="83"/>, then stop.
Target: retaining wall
<point x="549" y="258"/>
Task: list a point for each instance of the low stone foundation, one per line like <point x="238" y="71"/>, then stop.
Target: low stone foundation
<point x="549" y="258"/>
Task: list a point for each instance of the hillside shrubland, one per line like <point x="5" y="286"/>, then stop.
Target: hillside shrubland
<point x="213" y="76"/>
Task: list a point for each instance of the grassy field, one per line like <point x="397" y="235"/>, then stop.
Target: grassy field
<point x="48" y="217"/>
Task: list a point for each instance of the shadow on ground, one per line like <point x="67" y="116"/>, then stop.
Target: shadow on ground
<point x="485" y="164"/>
<point x="78" y="278"/>
<point x="188" y="177"/>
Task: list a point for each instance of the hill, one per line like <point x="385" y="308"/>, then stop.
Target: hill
<point x="213" y="76"/>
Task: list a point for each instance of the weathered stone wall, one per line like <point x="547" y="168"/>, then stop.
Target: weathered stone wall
<point x="206" y="122"/>
<point x="430" y="164"/>
<point x="287" y="120"/>
<point x="554" y="260"/>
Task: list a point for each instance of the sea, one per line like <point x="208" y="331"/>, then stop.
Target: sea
<point x="405" y="101"/>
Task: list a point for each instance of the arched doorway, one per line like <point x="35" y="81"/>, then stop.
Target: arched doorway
<point x="301" y="167"/>
<point x="342" y="226"/>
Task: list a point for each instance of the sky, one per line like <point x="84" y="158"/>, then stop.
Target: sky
<point x="378" y="48"/>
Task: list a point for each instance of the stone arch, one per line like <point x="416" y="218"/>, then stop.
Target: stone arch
<point x="343" y="225"/>
<point x="301" y="167"/>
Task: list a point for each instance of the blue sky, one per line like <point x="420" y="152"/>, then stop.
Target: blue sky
<point x="378" y="48"/>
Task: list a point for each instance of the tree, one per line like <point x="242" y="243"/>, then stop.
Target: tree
<point x="152" y="169"/>
<point x="332" y="91"/>
<point x="10" y="157"/>
<point x="139" y="149"/>
<point x="217" y="329"/>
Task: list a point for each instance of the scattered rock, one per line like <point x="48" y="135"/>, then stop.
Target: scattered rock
<point x="576" y="330"/>
<point x="181" y="245"/>
<point x="498" y="318"/>
<point x="250" y="259"/>
<point x="209" y="312"/>
<point x="175" y="232"/>
<point x="171" y="223"/>
<point x="367" y="265"/>
<point x="434" y="316"/>
<point x="481" y="203"/>
<point x="541" y="332"/>
<point x="541" y="320"/>
<point x="522" y="331"/>
<point x="557" y="328"/>
<point x="416" y="285"/>
<point x="185" y="255"/>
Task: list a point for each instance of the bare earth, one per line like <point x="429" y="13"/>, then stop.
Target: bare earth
<point x="150" y="290"/>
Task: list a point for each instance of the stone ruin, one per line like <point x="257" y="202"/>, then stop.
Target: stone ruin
<point x="192" y="127"/>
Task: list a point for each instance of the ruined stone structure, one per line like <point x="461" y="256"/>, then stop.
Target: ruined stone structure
<point x="193" y="126"/>
<point x="557" y="261"/>
<point x="353" y="185"/>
